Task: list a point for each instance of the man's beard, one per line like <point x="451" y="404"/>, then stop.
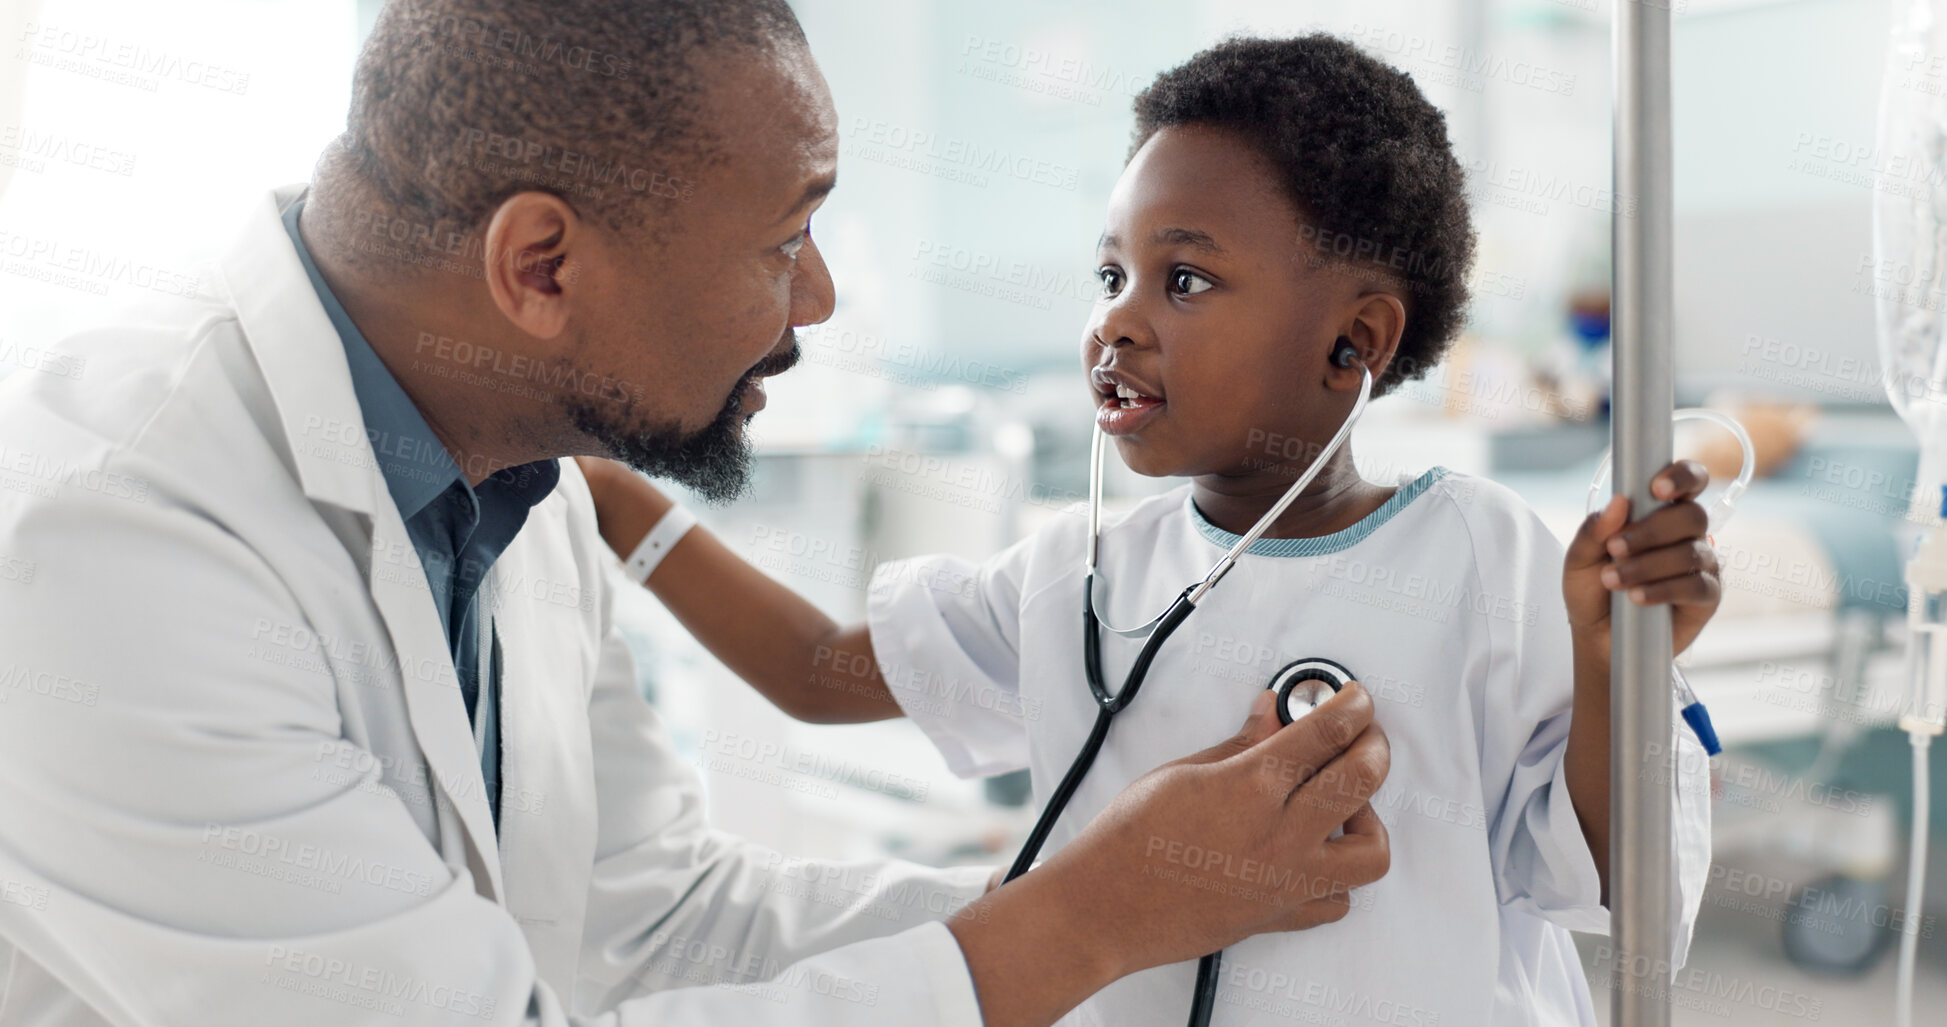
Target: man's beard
<point x="714" y="460"/>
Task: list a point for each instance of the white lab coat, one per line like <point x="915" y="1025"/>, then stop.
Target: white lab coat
<point x="237" y="783"/>
<point x="1445" y="603"/>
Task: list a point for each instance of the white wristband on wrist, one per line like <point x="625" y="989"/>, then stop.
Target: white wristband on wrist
<point x="657" y="544"/>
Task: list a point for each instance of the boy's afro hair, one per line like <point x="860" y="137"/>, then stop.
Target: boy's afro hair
<point x="1363" y="156"/>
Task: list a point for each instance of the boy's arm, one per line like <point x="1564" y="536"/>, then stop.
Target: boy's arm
<point x="1663" y="559"/>
<point x="807" y="664"/>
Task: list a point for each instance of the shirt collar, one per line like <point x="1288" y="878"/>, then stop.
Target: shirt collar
<point x="529" y="483"/>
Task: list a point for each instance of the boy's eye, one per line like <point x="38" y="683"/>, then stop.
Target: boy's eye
<point x="1188" y="282"/>
<point x="1111" y="280"/>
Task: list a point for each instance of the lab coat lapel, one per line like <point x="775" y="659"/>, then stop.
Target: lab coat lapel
<point x="303" y="363"/>
<point x="433" y="697"/>
<point x="302" y="359"/>
<point x="547" y="783"/>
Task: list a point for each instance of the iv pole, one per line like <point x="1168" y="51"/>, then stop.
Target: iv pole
<point x="1642" y="774"/>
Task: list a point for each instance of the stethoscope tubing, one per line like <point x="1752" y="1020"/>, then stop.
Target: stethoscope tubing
<point x="1154" y="634"/>
<point x="1107" y="704"/>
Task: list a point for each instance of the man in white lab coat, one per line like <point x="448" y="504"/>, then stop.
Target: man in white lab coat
<point x="312" y="710"/>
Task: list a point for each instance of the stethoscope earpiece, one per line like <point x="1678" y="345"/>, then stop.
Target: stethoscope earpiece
<point x="1344" y="353"/>
<point x="1304" y="685"/>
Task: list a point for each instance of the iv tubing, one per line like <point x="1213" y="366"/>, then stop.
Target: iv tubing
<point x="1916" y="877"/>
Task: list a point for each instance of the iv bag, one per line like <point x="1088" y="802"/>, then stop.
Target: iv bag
<point x="1909" y="275"/>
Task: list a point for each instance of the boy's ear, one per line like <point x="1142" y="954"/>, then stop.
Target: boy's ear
<point x="1377" y="322"/>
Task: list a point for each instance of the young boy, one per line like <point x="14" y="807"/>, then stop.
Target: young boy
<point x="1285" y="199"/>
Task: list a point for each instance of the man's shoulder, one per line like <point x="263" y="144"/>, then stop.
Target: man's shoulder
<point x="105" y="383"/>
<point x="162" y="407"/>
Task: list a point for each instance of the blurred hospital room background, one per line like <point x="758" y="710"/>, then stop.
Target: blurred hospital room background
<point x="942" y="408"/>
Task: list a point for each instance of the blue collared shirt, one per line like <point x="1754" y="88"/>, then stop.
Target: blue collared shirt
<point x="457" y="529"/>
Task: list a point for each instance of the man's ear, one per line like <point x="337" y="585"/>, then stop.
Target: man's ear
<point x="535" y="248"/>
<point x="1377" y="321"/>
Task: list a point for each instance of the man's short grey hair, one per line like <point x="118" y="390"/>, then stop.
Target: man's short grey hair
<point x="458" y="104"/>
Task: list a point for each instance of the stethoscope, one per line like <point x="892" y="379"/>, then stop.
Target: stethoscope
<point x="1301" y="685"/>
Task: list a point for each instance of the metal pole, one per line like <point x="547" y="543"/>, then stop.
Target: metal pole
<point x="1641" y="768"/>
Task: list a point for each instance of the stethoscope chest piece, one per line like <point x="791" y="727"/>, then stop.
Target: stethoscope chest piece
<point x="1302" y="685"/>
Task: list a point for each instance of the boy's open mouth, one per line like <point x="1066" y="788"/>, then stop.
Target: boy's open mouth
<point x="1123" y="403"/>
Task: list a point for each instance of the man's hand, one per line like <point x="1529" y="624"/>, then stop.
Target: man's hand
<point x="1193" y="856"/>
<point x="1662" y="559"/>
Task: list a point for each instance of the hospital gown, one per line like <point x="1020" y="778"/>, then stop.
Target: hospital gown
<point x="1445" y="603"/>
